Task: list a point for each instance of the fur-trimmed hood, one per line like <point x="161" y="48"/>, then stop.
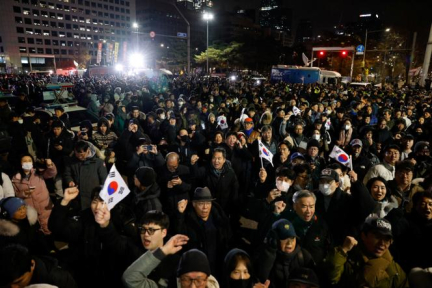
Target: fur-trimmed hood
<point x="10" y="229"/>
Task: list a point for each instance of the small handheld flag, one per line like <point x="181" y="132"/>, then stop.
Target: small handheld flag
<point x="296" y="111"/>
<point x="341" y="156"/>
<point x="264" y="152"/>
<point x="114" y="189"/>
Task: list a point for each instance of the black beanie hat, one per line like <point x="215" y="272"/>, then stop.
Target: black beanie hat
<point x="146" y="176"/>
<point x="193" y="261"/>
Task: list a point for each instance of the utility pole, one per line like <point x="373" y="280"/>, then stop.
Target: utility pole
<point x="188" y="35"/>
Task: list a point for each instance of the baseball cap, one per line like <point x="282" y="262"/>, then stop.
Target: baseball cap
<point x="379" y="225"/>
<point x="296" y="155"/>
<point x="329" y="174"/>
<point x="284" y="229"/>
<point x="356" y="142"/>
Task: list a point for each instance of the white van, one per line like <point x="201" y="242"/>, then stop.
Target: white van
<point x="330" y="77"/>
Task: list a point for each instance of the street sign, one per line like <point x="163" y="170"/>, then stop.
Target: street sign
<point x="152" y="34"/>
<point x="360" y="48"/>
<point x="181" y="35"/>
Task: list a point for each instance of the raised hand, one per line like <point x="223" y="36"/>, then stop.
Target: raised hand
<point x="349" y="243"/>
<point x="69" y="194"/>
<point x="102" y="215"/>
<point x="175" y="244"/>
<point x="181" y="205"/>
<point x="279" y="207"/>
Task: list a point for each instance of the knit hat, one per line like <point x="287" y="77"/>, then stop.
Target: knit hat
<point x="9" y="205"/>
<point x="284" y="229"/>
<point x="146" y="176"/>
<point x="193" y="261"/>
<point x="313" y="143"/>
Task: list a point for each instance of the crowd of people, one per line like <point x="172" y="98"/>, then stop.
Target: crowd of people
<point x="206" y="207"/>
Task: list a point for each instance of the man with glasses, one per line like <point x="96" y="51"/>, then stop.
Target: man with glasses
<point x="386" y="169"/>
<point x="206" y="225"/>
<point x="194" y="271"/>
<point x="370" y="264"/>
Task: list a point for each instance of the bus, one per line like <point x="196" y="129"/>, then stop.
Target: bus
<point x="303" y="75"/>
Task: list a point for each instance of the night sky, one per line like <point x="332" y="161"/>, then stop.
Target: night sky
<point x="404" y="16"/>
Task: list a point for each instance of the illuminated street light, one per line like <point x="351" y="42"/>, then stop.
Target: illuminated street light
<point x="135" y="25"/>
<point x="136" y="60"/>
<point x="207" y="17"/>
<point x="119" y="67"/>
<point x="162" y="45"/>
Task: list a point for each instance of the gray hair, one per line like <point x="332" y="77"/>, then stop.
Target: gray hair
<point x="303" y="194"/>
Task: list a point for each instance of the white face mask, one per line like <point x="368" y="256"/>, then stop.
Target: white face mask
<point x="282" y="185"/>
<point x="316" y="137"/>
<point x="21" y="121"/>
<point x="325" y="189"/>
<point x="347" y="127"/>
<point x="27" y="166"/>
<point x="162" y="116"/>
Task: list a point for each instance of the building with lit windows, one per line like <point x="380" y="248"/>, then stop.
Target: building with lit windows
<point x="196" y="4"/>
<point x="41" y="34"/>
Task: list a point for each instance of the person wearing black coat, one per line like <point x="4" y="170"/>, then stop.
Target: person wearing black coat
<point x="206" y="225"/>
<point x="19" y="268"/>
<point x="360" y="162"/>
<point x="281" y="254"/>
<point x="219" y="177"/>
<point x="86" y="171"/>
<point x="91" y="266"/>
<point x="343" y="212"/>
<point x="174" y="182"/>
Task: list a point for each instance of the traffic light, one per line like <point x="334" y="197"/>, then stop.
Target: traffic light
<point x="344" y="53"/>
<point x="321" y="54"/>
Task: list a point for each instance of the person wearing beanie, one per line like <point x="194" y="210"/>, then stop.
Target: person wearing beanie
<point x="281" y="254"/>
<point x="194" y="268"/>
<point x="146" y="192"/>
<point x="19" y="224"/>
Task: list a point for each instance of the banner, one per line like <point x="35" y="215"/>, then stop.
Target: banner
<point x="114" y="189"/>
<point x="99" y="53"/>
<point x="116" y="50"/>
<point x="264" y="152"/>
<point x="109" y="52"/>
<point x="340" y="156"/>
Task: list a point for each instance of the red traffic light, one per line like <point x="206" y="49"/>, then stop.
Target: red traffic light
<point x="321" y="53"/>
<point x="344" y="53"/>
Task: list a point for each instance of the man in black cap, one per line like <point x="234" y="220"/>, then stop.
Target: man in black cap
<point x="206" y="225"/>
<point x="370" y="264"/>
<point x="361" y="164"/>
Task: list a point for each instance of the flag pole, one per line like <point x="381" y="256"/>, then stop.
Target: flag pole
<point x="262" y="166"/>
<point x="351" y="167"/>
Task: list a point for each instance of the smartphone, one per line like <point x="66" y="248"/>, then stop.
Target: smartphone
<point x="175" y="177"/>
<point x="149" y="147"/>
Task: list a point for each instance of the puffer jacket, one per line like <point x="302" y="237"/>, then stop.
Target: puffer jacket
<point x="358" y="270"/>
<point x="39" y="198"/>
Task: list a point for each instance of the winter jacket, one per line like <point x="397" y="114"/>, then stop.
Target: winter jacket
<point x="103" y="141"/>
<point x="211" y="236"/>
<point x="147" y="200"/>
<point x="224" y="186"/>
<point x="48" y="271"/>
<point x="87" y="175"/>
<point x="345" y="212"/>
<point x="358" y="270"/>
<point x="25" y="232"/>
<point x="361" y="165"/>
<point x="39" y="197"/>
<point x="6" y="189"/>
<point x="276" y="266"/>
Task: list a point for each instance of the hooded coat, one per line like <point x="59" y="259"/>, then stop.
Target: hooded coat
<point x="39" y="197"/>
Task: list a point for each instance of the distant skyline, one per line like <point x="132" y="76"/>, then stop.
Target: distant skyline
<point x="403" y="16"/>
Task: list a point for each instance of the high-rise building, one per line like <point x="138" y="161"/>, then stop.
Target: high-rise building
<point x="274" y="16"/>
<point x="34" y="33"/>
<point x="196" y="4"/>
<point x="304" y="31"/>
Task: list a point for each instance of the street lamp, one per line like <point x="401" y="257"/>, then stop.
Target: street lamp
<point x="135" y="25"/>
<point x="207" y="17"/>
<point x="364" y="53"/>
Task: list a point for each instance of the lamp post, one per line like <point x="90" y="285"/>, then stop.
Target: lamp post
<point x="365" y="45"/>
<point x="135" y="25"/>
<point x="207" y="16"/>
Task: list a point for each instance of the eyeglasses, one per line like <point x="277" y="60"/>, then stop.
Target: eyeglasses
<point x="199" y="282"/>
<point x="150" y="231"/>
